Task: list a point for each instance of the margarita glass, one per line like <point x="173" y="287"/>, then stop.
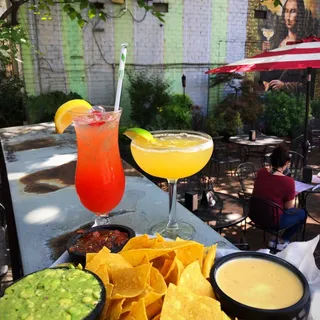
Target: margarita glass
<point x="99" y="180"/>
<point x="173" y="155"/>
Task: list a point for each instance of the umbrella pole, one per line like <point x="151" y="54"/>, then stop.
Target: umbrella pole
<point x="305" y="143"/>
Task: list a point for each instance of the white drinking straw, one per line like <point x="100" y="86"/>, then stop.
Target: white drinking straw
<point x="122" y="64"/>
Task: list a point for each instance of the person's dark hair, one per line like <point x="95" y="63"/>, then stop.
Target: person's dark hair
<point x="300" y="25"/>
<point x="279" y="156"/>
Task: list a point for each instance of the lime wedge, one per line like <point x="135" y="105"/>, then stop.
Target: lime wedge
<point x="134" y="133"/>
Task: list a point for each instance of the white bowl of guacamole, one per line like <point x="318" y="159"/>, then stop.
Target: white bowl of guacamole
<point x="57" y="293"/>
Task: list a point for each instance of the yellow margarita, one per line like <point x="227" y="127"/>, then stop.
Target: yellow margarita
<point x="172" y="155"/>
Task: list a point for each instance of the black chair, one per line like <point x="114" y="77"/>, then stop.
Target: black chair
<point x="296" y="143"/>
<point x="296" y="165"/>
<point x="246" y="175"/>
<point x="264" y="215"/>
<point x="222" y="155"/>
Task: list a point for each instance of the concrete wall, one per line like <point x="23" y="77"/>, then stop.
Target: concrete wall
<point x="197" y="35"/>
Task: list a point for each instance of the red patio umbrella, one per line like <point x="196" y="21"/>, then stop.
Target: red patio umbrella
<point x="301" y="54"/>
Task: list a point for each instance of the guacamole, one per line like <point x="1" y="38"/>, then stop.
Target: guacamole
<point x="64" y="294"/>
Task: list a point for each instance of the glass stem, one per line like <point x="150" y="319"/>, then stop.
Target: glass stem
<point x="172" y="189"/>
<point x="102" y="220"/>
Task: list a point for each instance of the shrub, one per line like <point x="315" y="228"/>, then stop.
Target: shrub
<point x="12" y="101"/>
<point x="148" y="94"/>
<point x="283" y="113"/>
<point x="315" y="108"/>
<point x="223" y="122"/>
<point x="42" y="108"/>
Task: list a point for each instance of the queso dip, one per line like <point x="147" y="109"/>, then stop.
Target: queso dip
<point x="259" y="283"/>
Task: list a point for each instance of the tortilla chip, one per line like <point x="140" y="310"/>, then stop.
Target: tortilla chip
<point x="209" y="261"/>
<point x="225" y="317"/>
<point x="89" y="257"/>
<point x="115" y="309"/>
<point x="166" y="266"/>
<point x="138" y="310"/>
<point x="154" y="308"/>
<point x="159" y="238"/>
<point x="136" y="243"/>
<point x="151" y="293"/>
<point x="159" y="262"/>
<point x="157" y="281"/>
<point x="191" y="252"/>
<point x="102" y="273"/>
<point x="180" y="303"/>
<point x="192" y="279"/>
<point x="109" y="289"/>
<point x="98" y="259"/>
<point x="174" y="272"/>
<point x="136" y="256"/>
<point x="129" y="301"/>
<point x="157" y="317"/>
<point x="115" y="261"/>
<point x="130" y="282"/>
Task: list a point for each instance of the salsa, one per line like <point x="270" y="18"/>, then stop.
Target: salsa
<point x="93" y="242"/>
<point x="69" y="294"/>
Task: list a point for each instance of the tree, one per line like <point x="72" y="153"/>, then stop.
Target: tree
<point x="11" y="33"/>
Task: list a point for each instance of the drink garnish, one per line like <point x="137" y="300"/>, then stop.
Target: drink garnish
<point x="63" y="117"/>
<point x="134" y="133"/>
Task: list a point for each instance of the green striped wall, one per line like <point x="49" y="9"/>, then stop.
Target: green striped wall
<point x="28" y="66"/>
<point x="218" y="48"/>
<point x="124" y="33"/>
<point x="73" y="52"/>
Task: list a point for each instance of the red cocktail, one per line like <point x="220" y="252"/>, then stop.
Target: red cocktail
<point x="99" y="178"/>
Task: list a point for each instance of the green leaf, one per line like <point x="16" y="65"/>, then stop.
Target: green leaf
<point x="72" y="15"/>
<point x="66" y="7"/>
<point x="92" y="13"/>
<point x="81" y="23"/>
<point x="44" y="18"/>
<point x="51" y="2"/>
<point x="102" y="16"/>
<point x="84" y="4"/>
<point x="4" y="47"/>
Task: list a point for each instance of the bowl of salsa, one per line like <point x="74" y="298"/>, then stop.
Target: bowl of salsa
<point x="92" y="240"/>
<point x="55" y="293"/>
<point x="254" y="285"/>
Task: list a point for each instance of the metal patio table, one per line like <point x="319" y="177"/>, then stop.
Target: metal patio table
<point x="256" y="148"/>
<point x="42" y="207"/>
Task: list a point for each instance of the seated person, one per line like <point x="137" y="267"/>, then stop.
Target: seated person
<point x="273" y="185"/>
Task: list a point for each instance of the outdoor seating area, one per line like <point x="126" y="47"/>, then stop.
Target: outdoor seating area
<point x="160" y="160"/>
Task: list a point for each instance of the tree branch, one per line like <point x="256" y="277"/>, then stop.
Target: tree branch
<point x="8" y="12"/>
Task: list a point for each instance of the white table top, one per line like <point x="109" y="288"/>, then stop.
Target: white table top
<point x="261" y="140"/>
<point x="41" y="217"/>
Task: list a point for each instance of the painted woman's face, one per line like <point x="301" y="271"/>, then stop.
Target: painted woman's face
<point x="290" y="13"/>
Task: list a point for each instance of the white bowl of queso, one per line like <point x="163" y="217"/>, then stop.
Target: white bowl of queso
<point x="253" y="285"/>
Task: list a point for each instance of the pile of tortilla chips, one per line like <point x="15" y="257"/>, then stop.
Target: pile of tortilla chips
<point x="156" y="279"/>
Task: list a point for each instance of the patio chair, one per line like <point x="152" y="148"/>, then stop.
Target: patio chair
<point x="264" y="215"/>
<point x="296" y="165"/>
<point x="246" y="175"/>
<point x="296" y="143"/>
<point x="222" y="156"/>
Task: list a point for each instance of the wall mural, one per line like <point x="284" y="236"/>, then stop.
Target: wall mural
<point x="296" y="19"/>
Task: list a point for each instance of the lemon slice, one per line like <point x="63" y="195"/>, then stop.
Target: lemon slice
<point x="134" y="133"/>
<point x="63" y="118"/>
